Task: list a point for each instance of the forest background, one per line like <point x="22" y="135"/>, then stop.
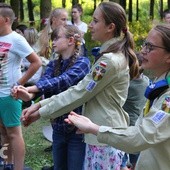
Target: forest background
<point x="142" y="15"/>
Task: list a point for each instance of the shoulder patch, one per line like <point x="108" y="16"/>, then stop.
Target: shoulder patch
<point x="158" y="117"/>
<point x="166" y="105"/>
<point x="91" y="86"/>
<point x="99" y="71"/>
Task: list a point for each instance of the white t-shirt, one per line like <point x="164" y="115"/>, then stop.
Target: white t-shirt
<point x="82" y="27"/>
<point x="13" y="48"/>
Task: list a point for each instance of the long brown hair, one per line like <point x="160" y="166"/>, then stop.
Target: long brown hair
<point x="114" y="13"/>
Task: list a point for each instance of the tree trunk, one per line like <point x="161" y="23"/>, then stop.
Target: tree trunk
<point x="161" y="9"/>
<point x="137" y="10"/>
<point x="95" y="5"/>
<point x="45" y="9"/>
<point x="21" y="10"/>
<point x="63" y="3"/>
<point x="30" y="12"/>
<point x="130" y="11"/>
<point x="75" y="2"/>
<point x="152" y="9"/>
<point x="15" y="7"/>
<point x="168" y="2"/>
<point x="123" y="4"/>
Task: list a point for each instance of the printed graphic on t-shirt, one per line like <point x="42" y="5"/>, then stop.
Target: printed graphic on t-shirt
<point x="4" y="48"/>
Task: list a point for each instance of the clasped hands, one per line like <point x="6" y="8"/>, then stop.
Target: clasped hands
<point x="30" y="114"/>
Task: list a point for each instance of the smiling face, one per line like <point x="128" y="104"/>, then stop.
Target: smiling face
<point x="158" y="59"/>
<point x="99" y="30"/>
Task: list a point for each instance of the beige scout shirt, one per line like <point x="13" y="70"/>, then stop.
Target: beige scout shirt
<point x="151" y="136"/>
<point x="103" y="90"/>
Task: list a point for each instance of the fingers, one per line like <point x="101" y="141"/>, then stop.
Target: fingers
<point x="74" y="113"/>
<point x="68" y="121"/>
<point x="15" y="91"/>
<point x="79" y="131"/>
<point x="23" y="116"/>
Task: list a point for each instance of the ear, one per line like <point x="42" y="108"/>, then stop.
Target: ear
<point x="71" y="41"/>
<point x="7" y="19"/>
<point x="111" y="27"/>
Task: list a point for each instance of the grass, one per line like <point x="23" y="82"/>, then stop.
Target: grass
<point x="35" y="144"/>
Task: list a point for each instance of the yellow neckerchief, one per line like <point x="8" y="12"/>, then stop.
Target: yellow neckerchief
<point x="147" y="107"/>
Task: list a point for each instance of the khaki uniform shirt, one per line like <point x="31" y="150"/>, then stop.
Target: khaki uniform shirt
<point x="103" y="92"/>
<point x="150" y="135"/>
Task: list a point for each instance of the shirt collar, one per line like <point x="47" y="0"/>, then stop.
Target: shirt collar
<point x="108" y="43"/>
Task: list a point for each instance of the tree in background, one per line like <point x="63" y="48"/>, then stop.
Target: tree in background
<point x="137" y="10"/>
<point x="75" y="2"/>
<point x="168" y="1"/>
<point x="63" y="3"/>
<point x="30" y="12"/>
<point x="21" y="10"/>
<point x="15" y="6"/>
<point x="130" y="11"/>
<point x="45" y="9"/>
<point x="151" y="14"/>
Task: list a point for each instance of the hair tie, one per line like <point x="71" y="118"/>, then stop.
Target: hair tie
<point x="78" y="43"/>
<point x="124" y="30"/>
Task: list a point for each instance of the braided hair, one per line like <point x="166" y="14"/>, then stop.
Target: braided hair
<point x="69" y="31"/>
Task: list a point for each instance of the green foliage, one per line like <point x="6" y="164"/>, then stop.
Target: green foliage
<point x="139" y="31"/>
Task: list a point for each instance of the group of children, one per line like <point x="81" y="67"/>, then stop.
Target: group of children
<point x="99" y="92"/>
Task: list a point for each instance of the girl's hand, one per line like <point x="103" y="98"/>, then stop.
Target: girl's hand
<point x="84" y="124"/>
<point x="21" y="92"/>
<point x="31" y="114"/>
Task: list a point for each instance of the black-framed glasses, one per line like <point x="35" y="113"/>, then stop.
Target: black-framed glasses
<point x="149" y="47"/>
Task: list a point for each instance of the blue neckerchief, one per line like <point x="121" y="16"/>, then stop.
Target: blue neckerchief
<point x="95" y="51"/>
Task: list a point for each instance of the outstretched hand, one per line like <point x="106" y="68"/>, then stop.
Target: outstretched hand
<point x="31" y="114"/>
<point x="84" y="124"/>
<point x="21" y="92"/>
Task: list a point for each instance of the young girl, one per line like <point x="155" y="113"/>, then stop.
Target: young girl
<point x="76" y="13"/>
<point x="57" y="18"/>
<point x="68" y="147"/>
<point x="151" y="134"/>
<point x="103" y="91"/>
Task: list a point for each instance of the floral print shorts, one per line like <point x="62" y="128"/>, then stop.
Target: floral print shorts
<point x="102" y="158"/>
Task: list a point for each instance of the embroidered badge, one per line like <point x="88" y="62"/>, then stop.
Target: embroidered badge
<point x="91" y="86"/>
<point x="99" y="71"/>
<point x="158" y="117"/>
<point x="166" y="105"/>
